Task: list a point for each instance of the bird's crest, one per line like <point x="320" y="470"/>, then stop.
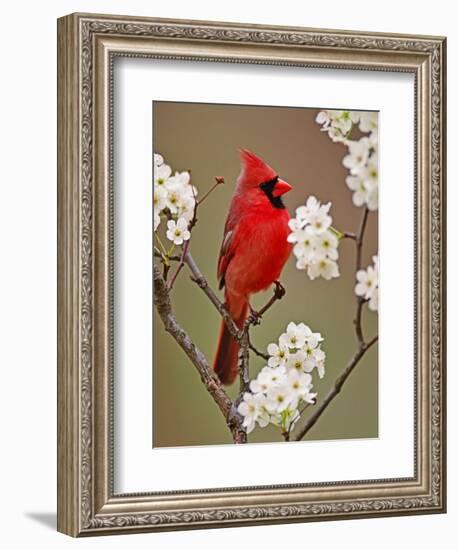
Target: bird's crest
<point x="254" y="170"/>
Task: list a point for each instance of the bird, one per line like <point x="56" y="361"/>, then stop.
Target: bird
<point x="253" y="251"/>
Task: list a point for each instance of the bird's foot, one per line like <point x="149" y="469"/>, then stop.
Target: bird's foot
<point x="279" y="291"/>
<point x="254" y="318"/>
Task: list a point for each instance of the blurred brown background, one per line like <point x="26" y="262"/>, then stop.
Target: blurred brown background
<point x="205" y="139"/>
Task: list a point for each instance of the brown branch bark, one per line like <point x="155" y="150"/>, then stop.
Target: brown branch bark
<point x="198" y="359"/>
<point x="244" y="362"/>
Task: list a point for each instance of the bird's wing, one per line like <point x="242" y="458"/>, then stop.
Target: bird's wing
<point x="227" y="252"/>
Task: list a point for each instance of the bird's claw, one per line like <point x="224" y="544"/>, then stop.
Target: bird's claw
<point x="279" y="291"/>
<point x="254" y="317"/>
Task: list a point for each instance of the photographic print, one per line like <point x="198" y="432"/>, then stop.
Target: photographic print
<point x="266" y="248"/>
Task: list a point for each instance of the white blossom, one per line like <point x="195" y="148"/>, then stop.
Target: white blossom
<point x="278" y="391"/>
<point x="324" y="118"/>
<point x="185" y="208"/>
<point x="253" y="410"/>
<point x="175" y="197"/>
<point x="326" y="268"/>
<point x="280" y="397"/>
<point x="300" y="385"/>
<point x="173" y="194"/>
<point x="304" y="212"/>
<point x="363" y="178"/>
<point x="267" y="378"/>
<point x="367" y="284"/>
<point x="326" y="245"/>
<point x="320" y="368"/>
<point x="361" y="193"/>
<point x="305" y="247"/>
<point x="159" y="198"/>
<point x="370" y="171"/>
<point x="297" y="361"/>
<point x="177" y="232"/>
<point x="342" y="120"/>
<point x="373" y="302"/>
<point x="358" y="155"/>
<point x="315" y="242"/>
<point x="157" y="219"/>
<point x="361" y="159"/>
<point x="278" y="354"/>
<point x="295" y="335"/>
<point x="158" y="159"/>
<point x="162" y="174"/>
<point x="337" y="124"/>
<point x="368" y="121"/>
<point x="320" y="221"/>
<point x="372" y="201"/>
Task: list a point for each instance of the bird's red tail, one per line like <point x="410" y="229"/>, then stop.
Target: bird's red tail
<point x="226" y="358"/>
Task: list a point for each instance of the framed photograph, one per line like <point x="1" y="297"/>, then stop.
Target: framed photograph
<point x="251" y="290"/>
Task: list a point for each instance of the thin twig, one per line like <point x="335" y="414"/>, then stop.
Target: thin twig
<point x="198" y="359"/>
<point x="334" y="391"/>
<point x="218" y="181"/>
<point x="165" y="271"/>
<point x="185" y="249"/>
<point x="255" y="350"/>
<point x="180" y="265"/>
<point x="192" y="223"/>
<point x="172" y="258"/>
<point x="278" y="294"/>
<point x="255" y="316"/>
<point x="348" y="235"/>
<point x="360" y="301"/>
<point x="362" y="345"/>
<point x="359" y="238"/>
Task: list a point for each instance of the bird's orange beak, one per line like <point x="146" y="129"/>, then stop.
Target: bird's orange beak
<point x="281" y="187"/>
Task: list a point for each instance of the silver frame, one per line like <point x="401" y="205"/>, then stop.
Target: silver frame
<point x="87" y="45"/>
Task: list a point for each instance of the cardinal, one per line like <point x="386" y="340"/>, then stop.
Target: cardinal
<point x="253" y="252"/>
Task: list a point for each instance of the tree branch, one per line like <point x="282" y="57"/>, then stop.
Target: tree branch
<point x="255" y="350"/>
<point x="201" y="281"/>
<point x="278" y="294"/>
<point x="218" y="181"/>
<point x="335" y="390"/>
<point x="362" y="345"/>
<point x="360" y="301"/>
<point x="359" y="238"/>
<point x="198" y="359"/>
<point x="180" y="265"/>
<point x="244" y="359"/>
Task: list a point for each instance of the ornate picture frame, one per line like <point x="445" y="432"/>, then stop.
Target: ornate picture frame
<point x="87" y="46"/>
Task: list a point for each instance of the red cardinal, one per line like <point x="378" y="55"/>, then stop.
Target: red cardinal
<point x="254" y="249"/>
